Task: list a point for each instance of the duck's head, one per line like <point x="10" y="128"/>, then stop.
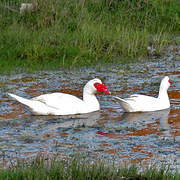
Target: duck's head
<point x="166" y="83"/>
<point x="95" y="85"/>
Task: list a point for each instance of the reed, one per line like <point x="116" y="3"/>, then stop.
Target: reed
<point x="84" y="32"/>
<point x="42" y="168"/>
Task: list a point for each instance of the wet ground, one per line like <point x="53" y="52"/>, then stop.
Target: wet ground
<point x="110" y="134"/>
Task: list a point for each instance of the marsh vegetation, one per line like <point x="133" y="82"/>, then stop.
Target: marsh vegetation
<point x="77" y="169"/>
<point x="85" y="32"/>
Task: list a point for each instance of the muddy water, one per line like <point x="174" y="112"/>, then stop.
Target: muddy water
<point x="110" y="134"/>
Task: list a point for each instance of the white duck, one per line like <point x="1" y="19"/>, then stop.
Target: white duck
<point x="143" y="103"/>
<point x="66" y="104"/>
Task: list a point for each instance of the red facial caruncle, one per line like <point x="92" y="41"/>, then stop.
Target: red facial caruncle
<point x="101" y="88"/>
<point x="171" y="85"/>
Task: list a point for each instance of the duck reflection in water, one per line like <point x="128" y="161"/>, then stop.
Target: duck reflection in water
<point x="72" y="121"/>
<point x="162" y="116"/>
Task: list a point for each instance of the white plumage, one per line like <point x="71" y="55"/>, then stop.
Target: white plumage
<point x="65" y="104"/>
<point x="143" y="103"/>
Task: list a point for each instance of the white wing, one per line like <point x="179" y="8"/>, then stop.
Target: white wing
<point x="59" y="100"/>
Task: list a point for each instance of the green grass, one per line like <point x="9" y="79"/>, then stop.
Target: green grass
<point x="78" y="169"/>
<point x="85" y="32"/>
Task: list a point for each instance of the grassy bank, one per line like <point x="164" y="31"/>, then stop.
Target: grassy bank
<point x="75" y="169"/>
<point x="85" y="32"/>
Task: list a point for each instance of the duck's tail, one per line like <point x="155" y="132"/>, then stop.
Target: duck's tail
<point x="125" y="105"/>
<point x="27" y="102"/>
<point x="37" y="107"/>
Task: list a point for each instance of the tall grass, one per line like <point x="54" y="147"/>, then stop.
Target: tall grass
<point x="78" y="169"/>
<point x="84" y="32"/>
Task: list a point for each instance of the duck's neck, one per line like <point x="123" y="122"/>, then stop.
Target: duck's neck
<point x="163" y="94"/>
<point x="90" y="100"/>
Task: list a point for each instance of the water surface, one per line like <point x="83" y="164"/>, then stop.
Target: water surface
<point x="109" y="134"/>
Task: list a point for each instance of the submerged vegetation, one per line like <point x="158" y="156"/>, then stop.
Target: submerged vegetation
<point x="84" y="32"/>
<point x="41" y="168"/>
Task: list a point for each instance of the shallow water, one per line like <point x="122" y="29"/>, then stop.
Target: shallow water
<point x="110" y="134"/>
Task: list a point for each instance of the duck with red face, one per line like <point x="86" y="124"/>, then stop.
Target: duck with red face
<point x="66" y="104"/>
